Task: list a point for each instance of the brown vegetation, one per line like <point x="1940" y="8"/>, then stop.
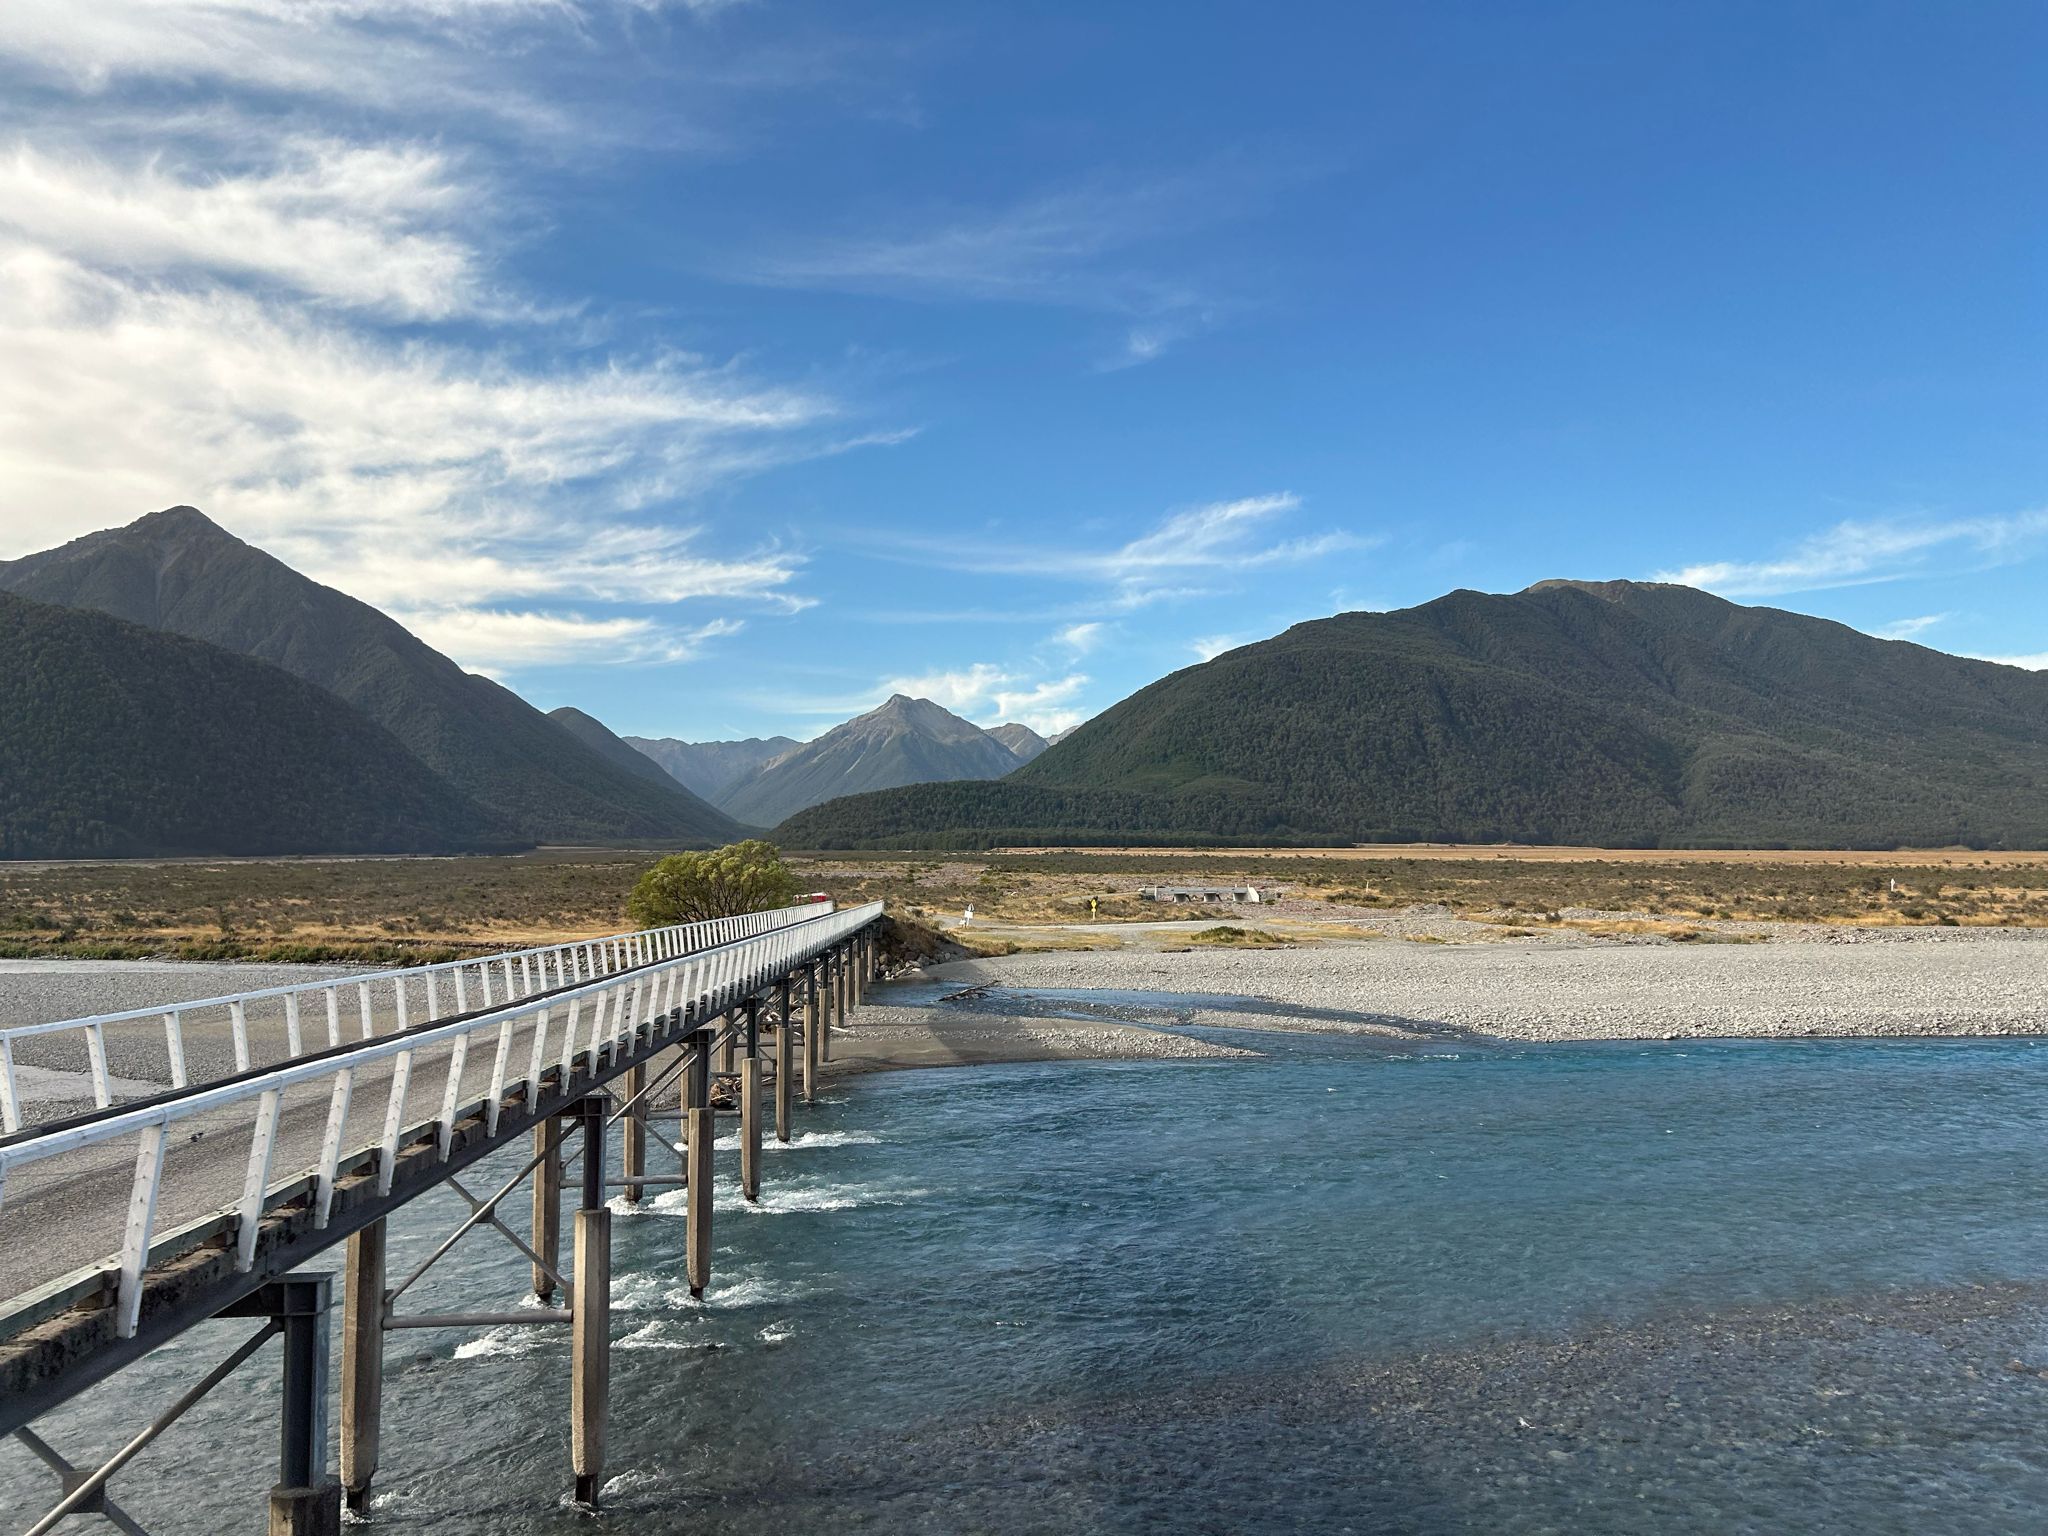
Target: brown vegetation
<point x="385" y="910"/>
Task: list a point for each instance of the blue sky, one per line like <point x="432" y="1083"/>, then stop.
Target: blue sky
<point x="722" y="366"/>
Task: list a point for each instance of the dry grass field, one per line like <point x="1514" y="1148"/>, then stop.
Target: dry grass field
<point x="394" y="910"/>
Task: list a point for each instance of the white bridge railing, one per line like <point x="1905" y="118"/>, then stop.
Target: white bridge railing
<point x="590" y="1020"/>
<point x="402" y="997"/>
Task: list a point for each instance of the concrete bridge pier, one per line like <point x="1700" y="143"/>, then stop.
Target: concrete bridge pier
<point x="697" y="1191"/>
<point x="633" y="1127"/>
<point x="833" y="1016"/>
<point x="547" y="1203"/>
<point x="750" y="1107"/>
<point x="590" y="1342"/>
<point x="814" y="1008"/>
<point x="362" y="1363"/>
<point x="306" y="1501"/>
<point x="785" y="1062"/>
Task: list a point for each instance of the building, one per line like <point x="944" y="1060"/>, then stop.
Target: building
<point x="1209" y="893"/>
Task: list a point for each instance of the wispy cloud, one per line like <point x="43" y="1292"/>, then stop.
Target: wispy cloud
<point x="1048" y="249"/>
<point x="992" y="695"/>
<point x="1209" y="647"/>
<point x="984" y="692"/>
<point x="361" y="225"/>
<point x="499" y="642"/>
<point x="1115" y="245"/>
<point x="384" y="465"/>
<point x="1909" y="629"/>
<point x="1141" y="345"/>
<point x="264" y="303"/>
<point x="1080" y="639"/>
<point x="2037" y="662"/>
<point x="1861" y="553"/>
<point x="386" y="55"/>
<point x="1184" y="555"/>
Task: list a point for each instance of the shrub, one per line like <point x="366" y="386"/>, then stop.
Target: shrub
<point x="691" y="887"/>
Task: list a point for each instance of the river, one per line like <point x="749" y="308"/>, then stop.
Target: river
<point x="1697" y="1287"/>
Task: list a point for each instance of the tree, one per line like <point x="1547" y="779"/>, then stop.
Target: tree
<point x="691" y="887"/>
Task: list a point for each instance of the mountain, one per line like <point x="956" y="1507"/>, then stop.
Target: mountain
<point x="710" y="768"/>
<point x="597" y="736"/>
<point x="1024" y="743"/>
<point x="1614" y="714"/>
<point x="906" y="741"/>
<point x="178" y="571"/>
<point x="118" y="741"/>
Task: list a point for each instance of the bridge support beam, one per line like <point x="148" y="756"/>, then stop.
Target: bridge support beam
<point x="785" y="1063"/>
<point x="833" y="1017"/>
<point x="306" y="1501"/>
<point x="814" y="1025"/>
<point x="547" y="1203"/>
<point x="842" y="965"/>
<point x="697" y="1206"/>
<point x="590" y="1336"/>
<point x="750" y="1107"/>
<point x="362" y="1363"/>
<point x="633" y="1148"/>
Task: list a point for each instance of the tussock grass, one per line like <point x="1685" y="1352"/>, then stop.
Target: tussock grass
<point x="1244" y="938"/>
<point x="390" y="911"/>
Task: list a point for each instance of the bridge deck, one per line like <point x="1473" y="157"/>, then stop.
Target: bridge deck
<point x="180" y="1204"/>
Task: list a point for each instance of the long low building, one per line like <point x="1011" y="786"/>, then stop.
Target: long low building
<point x="1238" y="893"/>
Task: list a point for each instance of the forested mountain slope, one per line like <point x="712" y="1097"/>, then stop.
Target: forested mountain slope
<point x="119" y="741"/>
<point x="176" y="570"/>
<point x="1612" y="713"/>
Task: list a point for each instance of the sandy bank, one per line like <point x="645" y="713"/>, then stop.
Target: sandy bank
<point x="881" y="1037"/>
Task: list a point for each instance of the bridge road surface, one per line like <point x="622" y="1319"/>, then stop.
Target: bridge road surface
<point x="70" y="1212"/>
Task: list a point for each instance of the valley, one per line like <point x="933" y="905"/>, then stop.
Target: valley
<point x="391" y="910"/>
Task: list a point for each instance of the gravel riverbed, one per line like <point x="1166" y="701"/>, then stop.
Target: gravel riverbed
<point x="1973" y="981"/>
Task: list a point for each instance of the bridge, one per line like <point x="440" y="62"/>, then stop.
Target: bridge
<point x="233" y="1139"/>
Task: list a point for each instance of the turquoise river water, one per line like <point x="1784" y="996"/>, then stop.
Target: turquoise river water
<point x="1724" y="1287"/>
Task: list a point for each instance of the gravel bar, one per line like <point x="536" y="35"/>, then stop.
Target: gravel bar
<point x="1985" y="981"/>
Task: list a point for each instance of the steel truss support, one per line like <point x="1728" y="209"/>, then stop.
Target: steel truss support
<point x="306" y="1501"/>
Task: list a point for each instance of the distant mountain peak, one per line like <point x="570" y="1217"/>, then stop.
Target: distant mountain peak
<point x="1611" y="589"/>
<point x="903" y="740"/>
<point x="180" y="516"/>
<point x="1023" y="742"/>
<point x="178" y="570"/>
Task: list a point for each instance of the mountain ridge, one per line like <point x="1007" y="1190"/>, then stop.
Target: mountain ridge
<point x="1024" y="743"/>
<point x="177" y="571"/>
<point x="902" y="741"/>
<point x="710" y="768"/>
<point x="121" y="741"/>
<point x="1604" y="713"/>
